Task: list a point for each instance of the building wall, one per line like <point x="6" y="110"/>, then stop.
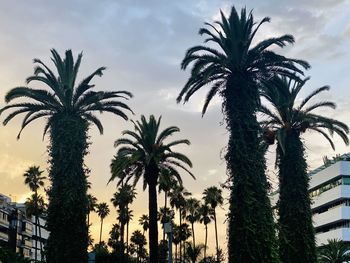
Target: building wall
<point x="330" y="195"/>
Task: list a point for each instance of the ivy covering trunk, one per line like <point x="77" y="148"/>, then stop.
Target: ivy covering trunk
<point x="296" y="233"/>
<point x="68" y="206"/>
<point x="251" y="223"/>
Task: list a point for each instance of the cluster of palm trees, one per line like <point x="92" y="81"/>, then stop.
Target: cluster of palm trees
<point x="189" y="210"/>
<point x="241" y="71"/>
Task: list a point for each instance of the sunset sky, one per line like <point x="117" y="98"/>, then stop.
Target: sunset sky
<point x="142" y="42"/>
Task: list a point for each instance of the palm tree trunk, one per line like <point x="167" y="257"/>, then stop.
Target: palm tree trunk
<point x="41" y="242"/>
<point x="36" y="239"/>
<point x="206" y="241"/>
<point x="246" y="167"/>
<point x="176" y="253"/>
<point x="122" y="232"/>
<point x="193" y="236"/>
<point x="67" y="213"/>
<point x="101" y="230"/>
<point x="296" y="239"/>
<point x="180" y="254"/>
<point x="36" y="228"/>
<point x="151" y="175"/>
<point x="216" y="237"/>
<point x="165" y="203"/>
<point x="127" y="238"/>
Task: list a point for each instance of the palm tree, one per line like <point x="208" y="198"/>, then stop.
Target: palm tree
<point x="165" y="184"/>
<point x="234" y="71"/>
<point x="213" y="197"/>
<point x="92" y="202"/>
<point x="146" y="154"/>
<point x="68" y="110"/>
<point x="193" y="253"/>
<point x="335" y="251"/>
<point x="192" y="209"/>
<point x="176" y="239"/>
<point x="102" y="210"/>
<point x="144" y="222"/>
<point x="206" y="214"/>
<point x="286" y="121"/>
<point x="178" y="196"/>
<point x="35" y="180"/>
<point x="139" y="240"/>
<point x="124" y="196"/>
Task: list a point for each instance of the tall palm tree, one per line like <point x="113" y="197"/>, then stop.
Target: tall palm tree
<point x="165" y="184"/>
<point x="287" y="121"/>
<point x="178" y="196"/>
<point x="206" y="214"/>
<point x="213" y="197"/>
<point x="192" y="207"/>
<point x="92" y="202"/>
<point x="121" y="199"/>
<point x="35" y="180"/>
<point x="335" y="251"/>
<point x="68" y="110"/>
<point x="146" y="154"/>
<point x="234" y="71"/>
<point x="144" y="222"/>
<point x="102" y="211"/>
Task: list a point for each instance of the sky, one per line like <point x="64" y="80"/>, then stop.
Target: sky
<point x="142" y="44"/>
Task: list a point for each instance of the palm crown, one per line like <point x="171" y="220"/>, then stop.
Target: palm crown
<point x="62" y="96"/>
<point x="236" y="58"/>
<point x="33" y="178"/>
<point x="147" y="147"/>
<point x="102" y="210"/>
<point x="286" y="115"/>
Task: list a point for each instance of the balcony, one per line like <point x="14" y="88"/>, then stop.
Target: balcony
<point x="332" y="215"/>
<point x="4" y="236"/>
<point x="341" y="191"/>
<point x="341" y="233"/>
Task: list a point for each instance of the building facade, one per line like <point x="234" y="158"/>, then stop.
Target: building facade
<point x="329" y="190"/>
<point x="21" y="233"/>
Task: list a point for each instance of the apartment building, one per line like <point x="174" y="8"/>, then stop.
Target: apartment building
<point x="18" y="232"/>
<point x="330" y="192"/>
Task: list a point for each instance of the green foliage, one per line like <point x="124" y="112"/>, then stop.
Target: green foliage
<point x="145" y="154"/>
<point x="335" y="251"/>
<point x="68" y="109"/>
<point x="7" y="256"/>
<point x="193" y="253"/>
<point x="286" y="122"/>
<point x="234" y="72"/>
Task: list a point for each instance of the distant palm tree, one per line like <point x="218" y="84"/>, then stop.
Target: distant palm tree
<point x="146" y="154"/>
<point x="178" y="196"/>
<point x="140" y="241"/>
<point x="234" y="71"/>
<point x="206" y="214"/>
<point x="165" y="184"/>
<point x="192" y="207"/>
<point x="102" y="211"/>
<point x="144" y="222"/>
<point x="335" y="251"/>
<point x="286" y="121"/>
<point x="69" y="111"/>
<point x="35" y="180"/>
<point x="213" y="197"/>
<point x="121" y="199"/>
<point x="92" y="202"/>
<point x="193" y="253"/>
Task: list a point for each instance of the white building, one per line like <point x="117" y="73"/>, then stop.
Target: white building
<point x="330" y="193"/>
